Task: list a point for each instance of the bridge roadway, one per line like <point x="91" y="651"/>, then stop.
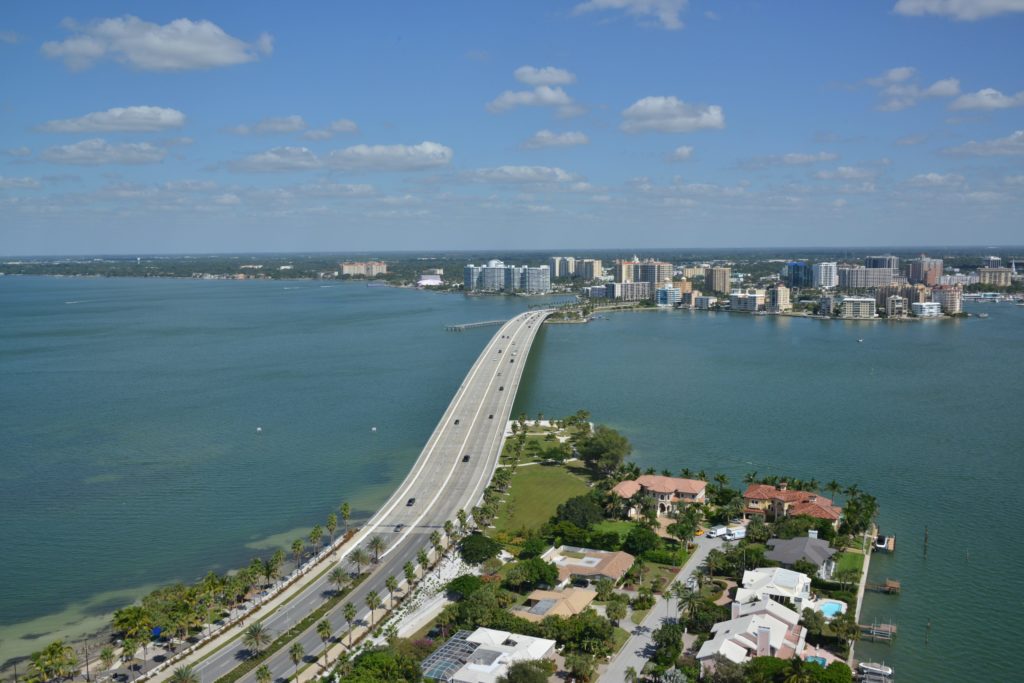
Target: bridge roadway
<point x="440" y="482"/>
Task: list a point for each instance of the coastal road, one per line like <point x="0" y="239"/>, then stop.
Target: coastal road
<point x="440" y="484"/>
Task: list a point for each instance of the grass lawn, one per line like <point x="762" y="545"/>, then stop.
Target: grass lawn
<point x="848" y="560"/>
<point x="619" y="526"/>
<point x="638" y="616"/>
<point x="655" y="571"/>
<point x="620" y="636"/>
<point x="536" y="491"/>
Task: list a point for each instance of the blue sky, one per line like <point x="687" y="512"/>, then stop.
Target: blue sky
<point x="209" y="127"/>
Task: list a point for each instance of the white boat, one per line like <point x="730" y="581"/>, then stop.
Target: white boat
<point x="874" y="668"/>
<point x="983" y="315"/>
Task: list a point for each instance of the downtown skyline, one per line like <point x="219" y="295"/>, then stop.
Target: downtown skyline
<point x="523" y="126"/>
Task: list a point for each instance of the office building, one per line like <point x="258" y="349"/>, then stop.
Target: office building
<point x="596" y="292"/>
<point x="625" y="271"/>
<point x="667" y="296"/>
<point x="364" y="268"/>
<point x="690" y="298"/>
<point x="535" y="280"/>
<point x="778" y="300"/>
<point x="855" y="307"/>
<point x="997" y="277"/>
<point x="885" y="261"/>
<point x="589" y="269"/>
<point x="691" y="272"/>
<point x="927" y="309"/>
<point x="950" y="297"/>
<point x="718" y="279"/>
<point x="496" y="276"/>
<point x="748" y="300"/>
<point x="555" y="265"/>
<point x="925" y="271"/>
<point x="655" y="272"/>
<point x="991" y="262"/>
<point x="895" y="307"/>
<point x="568" y="266"/>
<point x="824" y="275"/>
<point x="859" y="277"/>
<point x="705" y="303"/>
<point x="629" y="291"/>
<point x="798" y="274"/>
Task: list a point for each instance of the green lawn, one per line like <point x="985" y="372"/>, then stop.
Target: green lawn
<point x="619" y="526"/>
<point x="536" y="491"/>
<point x="638" y="616"/>
<point x="620" y="636"/>
<point x="849" y="560"/>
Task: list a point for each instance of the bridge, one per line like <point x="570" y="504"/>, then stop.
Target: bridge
<point x="469" y="326"/>
<point x="441" y="483"/>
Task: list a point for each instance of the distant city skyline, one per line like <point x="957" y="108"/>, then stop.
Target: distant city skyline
<point x="197" y="128"/>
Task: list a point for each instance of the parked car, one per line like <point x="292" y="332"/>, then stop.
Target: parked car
<point x="410" y="502"/>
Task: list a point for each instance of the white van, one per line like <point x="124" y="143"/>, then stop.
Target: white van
<point x="735" y="534"/>
<point x="716" y="531"/>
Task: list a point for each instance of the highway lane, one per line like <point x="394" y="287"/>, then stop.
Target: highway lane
<point x="440" y="482"/>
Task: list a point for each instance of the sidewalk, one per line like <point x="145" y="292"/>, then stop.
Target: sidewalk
<point x="640" y="644"/>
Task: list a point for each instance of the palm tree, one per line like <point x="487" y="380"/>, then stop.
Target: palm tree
<point x="359" y="557"/>
<point x="323" y="629"/>
<point x="797" y="672"/>
<point x="297" y="653"/>
<point x="410" y="573"/>
<point x="750" y="477"/>
<point x="185" y="674"/>
<point x="377" y="545"/>
<point x="349" y="612"/>
<point x="833" y="487"/>
<point x="263" y="674"/>
<point x="338" y="578"/>
<point x="346" y="514"/>
<point x="615" y="611"/>
<point x="435" y="541"/>
<point x="581" y="667"/>
<point x="332" y="525"/>
<point x="373" y="602"/>
<point x="297" y="547"/>
<point x="449" y="528"/>
<point x="423" y="559"/>
<point x="256" y="637"/>
<point x="316" y="537"/>
<point x="107" y="657"/>
<point x="631" y="675"/>
<point x="128" y="649"/>
<point x="133" y="621"/>
<point x="56" y="661"/>
<point x="391" y="583"/>
<point x="462" y="519"/>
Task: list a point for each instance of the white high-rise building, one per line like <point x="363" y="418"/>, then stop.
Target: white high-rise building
<point x="825" y="275"/>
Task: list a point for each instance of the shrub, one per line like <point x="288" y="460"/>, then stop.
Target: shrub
<point x="477" y="548"/>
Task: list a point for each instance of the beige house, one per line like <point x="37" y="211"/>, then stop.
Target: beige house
<point x="776" y="503"/>
<point x="564" y="603"/>
<point x="757" y="629"/>
<point x="668" y="492"/>
<point x="589" y="565"/>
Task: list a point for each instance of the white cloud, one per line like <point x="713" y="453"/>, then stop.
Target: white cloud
<point x="178" y="45"/>
<point x="227" y="199"/>
<point x="909" y="140"/>
<point x="681" y="153"/>
<point x="333" y="128"/>
<point x="279" y="159"/>
<point x="665" y="11"/>
<point x="391" y="157"/>
<point x="1011" y="145"/>
<point x="1014" y="180"/>
<point x="846" y="173"/>
<point x="98" y="151"/>
<point x="273" y="124"/>
<point x="9" y="37"/>
<point x="791" y="159"/>
<point x="988" y="98"/>
<point x="547" y="75"/>
<point x="839" y="203"/>
<point x="522" y="174"/>
<point x="119" y="119"/>
<point x="18" y="183"/>
<point x="547" y="138"/>
<point x="541" y="96"/>
<point x="903" y="96"/>
<point x="937" y="180"/>
<point x="670" y="115"/>
<point x="895" y="75"/>
<point x="190" y="185"/>
<point x="961" y="10"/>
<point x="327" y="189"/>
<point x="20" y="152"/>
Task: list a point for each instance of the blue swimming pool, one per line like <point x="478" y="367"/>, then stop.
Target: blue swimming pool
<point x="816" y="660"/>
<point x="830" y="608"/>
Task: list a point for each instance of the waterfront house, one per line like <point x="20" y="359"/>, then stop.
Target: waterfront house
<point x="757" y="629"/>
<point x="584" y="564"/>
<point x="779" y="584"/>
<point x="778" y="502"/>
<point x="668" y="492"/>
<point x="564" y="603"/>
<point x="483" y="656"/>
<point x="810" y="548"/>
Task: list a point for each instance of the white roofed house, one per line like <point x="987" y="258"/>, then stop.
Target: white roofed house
<point x="781" y="585"/>
<point x="483" y="656"/>
<point x="763" y="628"/>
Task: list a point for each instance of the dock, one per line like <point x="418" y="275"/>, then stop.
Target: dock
<point x="889" y="586"/>
<point x="469" y="326"/>
<point x="885" y="633"/>
<point x="885" y="544"/>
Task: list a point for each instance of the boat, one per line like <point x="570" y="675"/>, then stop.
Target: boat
<point x="860" y="341"/>
<point x="875" y="669"/>
<point x="983" y="315"/>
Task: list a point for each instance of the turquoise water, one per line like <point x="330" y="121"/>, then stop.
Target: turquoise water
<point x="816" y="660"/>
<point x="129" y="456"/>
<point x="831" y="608"/>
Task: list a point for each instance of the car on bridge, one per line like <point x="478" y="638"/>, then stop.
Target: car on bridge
<point x="465" y="458"/>
<point x="410" y="502"/>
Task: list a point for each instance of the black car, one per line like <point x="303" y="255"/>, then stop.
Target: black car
<point x="410" y="502"/>
<point x="456" y="421"/>
<point x="501" y="388"/>
<point x="399" y="527"/>
<point x="465" y="458"/>
<point x="511" y="360"/>
<point x="491" y="416"/>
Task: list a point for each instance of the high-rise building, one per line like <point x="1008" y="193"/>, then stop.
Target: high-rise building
<point x="655" y="272"/>
<point x="691" y="272"/>
<point x="568" y="266"/>
<point x="690" y="298"/>
<point x="748" y="300"/>
<point x="824" y="275"/>
<point x="535" y="280"/>
<point x="827" y="305"/>
<point x="859" y="277"/>
<point x="364" y="268"/>
<point x="625" y="271"/>
<point x="589" y="269"/>
<point x="997" y="277"/>
<point x="895" y="306"/>
<point x="629" y="291"/>
<point x="950" y="297"/>
<point x="555" y="265"/>
<point x="798" y="274"/>
<point x="667" y="296"/>
<point x="471" y="277"/>
<point x="778" y="300"/>
<point x="885" y="261"/>
<point x="498" y="277"/>
<point x="683" y="285"/>
<point x="991" y="262"/>
<point x="857" y="307"/>
<point x="926" y="271"/>
<point x="718" y="279"/>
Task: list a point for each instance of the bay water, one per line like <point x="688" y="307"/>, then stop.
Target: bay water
<point x="130" y="458"/>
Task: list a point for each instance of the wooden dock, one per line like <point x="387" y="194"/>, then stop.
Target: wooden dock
<point x="878" y="632"/>
<point x="890" y="586"/>
<point x="469" y="326"/>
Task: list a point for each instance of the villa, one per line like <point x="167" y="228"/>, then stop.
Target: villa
<point x="757" y="629"/>
<point x="776" y="503"/>
<point x="483" y="656"/>
<point x="565" y="603"/>
<point x="781" y="585"/>
<point x="669" y="492"/>
<point x="576" y="564"/>
<point x="810" y="548"/>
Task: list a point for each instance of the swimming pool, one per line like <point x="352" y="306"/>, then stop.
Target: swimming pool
<point x="830" y="608"/>
<point x="816" y="660"/>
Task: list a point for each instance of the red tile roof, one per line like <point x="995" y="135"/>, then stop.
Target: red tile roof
<point x="802" y="502"/>
<point x="660" y="484"/>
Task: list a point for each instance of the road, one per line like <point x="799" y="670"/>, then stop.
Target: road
<point x="440" y="483"/>
<point x="640" y="645"/>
